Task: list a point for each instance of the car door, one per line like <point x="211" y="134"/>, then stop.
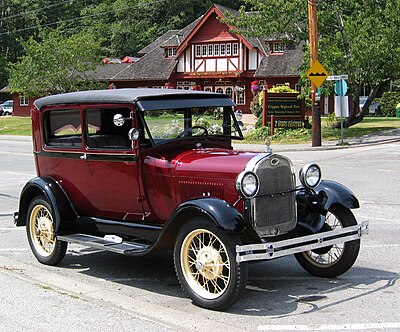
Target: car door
<point x="110" y="169"/>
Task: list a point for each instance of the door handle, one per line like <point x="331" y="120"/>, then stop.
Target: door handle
<point x="83" y="157"/>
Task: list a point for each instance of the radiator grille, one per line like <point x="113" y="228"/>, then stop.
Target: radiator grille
<point x="191" y="189"/>
<point x="274" y="209"/>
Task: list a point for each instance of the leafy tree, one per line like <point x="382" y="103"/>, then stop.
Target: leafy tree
<point x="54" y="64"/>
<point x="356" y="37"/>
<point x="130" y="25"/>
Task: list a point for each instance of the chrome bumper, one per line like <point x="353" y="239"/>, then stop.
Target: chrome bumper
<point x="271" y="250"/>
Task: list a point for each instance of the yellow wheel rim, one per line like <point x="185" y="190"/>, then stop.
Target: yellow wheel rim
<point x="41" y="230"/>
<point x="205" y="264"/>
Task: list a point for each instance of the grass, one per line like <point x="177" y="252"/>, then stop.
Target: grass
<point x="15" y="125"/>
<point x="21" y="126"/>
<point x="369" y="125"/>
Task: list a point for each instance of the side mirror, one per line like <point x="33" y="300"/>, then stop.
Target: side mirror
<point x="119" y="120"/>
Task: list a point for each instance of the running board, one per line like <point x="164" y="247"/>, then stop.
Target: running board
<point x="124" y="247"/>
<point x="272" y="250"/>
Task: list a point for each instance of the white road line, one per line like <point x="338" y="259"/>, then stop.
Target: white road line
<point x="331" y="327"/>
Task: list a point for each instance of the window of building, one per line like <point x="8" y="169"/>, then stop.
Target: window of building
<point x="23" y="101"/>
<point x="170" y="52"/>
<point x="235" y="49"/>
<point x="219" y="90"/>
<point x="229" y="92"/>
<point x="210" y="50"/>
<point x="278" y="47"/>
<point x="240" y="97"/>
<point x="216" y="49"/>
<point x="204" y="50"/>
<point x="184" y="85"/>
<point x="198" y="51"/>
<point x="208" y="88"/>
<point x="222" y="49"/>
<point x="228" y="49"/>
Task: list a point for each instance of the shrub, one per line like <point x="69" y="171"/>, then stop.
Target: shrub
<point x="388" y="102"/>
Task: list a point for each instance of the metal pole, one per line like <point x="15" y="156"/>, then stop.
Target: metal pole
<point x="313" y="35"/>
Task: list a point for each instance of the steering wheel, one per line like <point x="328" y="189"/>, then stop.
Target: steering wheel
<point x="190" y="130"/>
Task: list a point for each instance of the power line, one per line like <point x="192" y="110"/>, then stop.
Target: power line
<point x="34" y="10"/>
<point x="77" y="18"/>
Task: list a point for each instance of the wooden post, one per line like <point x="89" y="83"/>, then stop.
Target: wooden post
<point x="313" y="34"/>
<point x="272" y="125"/>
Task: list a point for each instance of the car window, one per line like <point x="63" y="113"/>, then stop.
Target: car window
<point x="63" y="128"/>
<point x="164" y="125"/>
<point x="102" y="133"/>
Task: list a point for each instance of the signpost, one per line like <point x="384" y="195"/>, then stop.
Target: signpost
<point x="341" y="90"/>
<point x="317" y="74"/>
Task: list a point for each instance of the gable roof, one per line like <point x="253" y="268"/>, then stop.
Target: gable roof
<point x="221" y="12"/>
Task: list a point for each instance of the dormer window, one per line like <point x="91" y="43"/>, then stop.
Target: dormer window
<point x="277" y="47"/>
<point x="170" y="52"/>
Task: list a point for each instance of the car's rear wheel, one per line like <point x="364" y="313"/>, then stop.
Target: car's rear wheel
<point x="41" y="236"/>
<point x="206" y="265"/>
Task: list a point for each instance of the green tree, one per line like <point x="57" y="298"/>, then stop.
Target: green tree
<point x="130" y="25"/>
<point x="356" y="37"/>
<point x="54" y="64"/>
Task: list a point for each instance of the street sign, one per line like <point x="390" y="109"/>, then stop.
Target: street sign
<point x="317" y="74"/>
<point x="341" y="88"/>
<point x="337" y="77"/>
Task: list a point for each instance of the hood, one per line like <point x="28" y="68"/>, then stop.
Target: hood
<point x="212" y="163"/>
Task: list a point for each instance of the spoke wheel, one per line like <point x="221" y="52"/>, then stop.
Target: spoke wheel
<point x="334" y="260"/>
<point x="40" y="230"/>
<point x="206" y="266"/>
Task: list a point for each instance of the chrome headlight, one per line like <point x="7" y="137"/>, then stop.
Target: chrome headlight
<point x="310" y="175"/>
<point x="247" y="184"/>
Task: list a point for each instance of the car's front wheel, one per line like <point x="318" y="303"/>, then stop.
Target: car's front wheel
<point x="40" y="231"/>
<point x="206" y="265"/>
<point x="331" y="261"/>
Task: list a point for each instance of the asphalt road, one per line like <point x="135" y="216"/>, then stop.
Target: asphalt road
<point x="93" y="290"/>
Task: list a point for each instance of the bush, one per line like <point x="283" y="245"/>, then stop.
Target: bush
<point x="388" y="102"/>
<point x="260" y="134"/>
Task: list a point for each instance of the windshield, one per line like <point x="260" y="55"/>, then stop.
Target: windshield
<point x="165" y="125"/>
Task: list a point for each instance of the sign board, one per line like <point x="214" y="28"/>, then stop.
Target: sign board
<point x="283" y="106"/>
<point x="342" y="106"/>
<point x="341" y="88"/>
<point x="317" y="74"/>
<point x="285" y="109"/>
<point x="289" y="124"/>
<point x="337" y="77"/>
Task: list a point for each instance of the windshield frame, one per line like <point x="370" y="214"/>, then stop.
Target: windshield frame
<point x="189" y="121"/>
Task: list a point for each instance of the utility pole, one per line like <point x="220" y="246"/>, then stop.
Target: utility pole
<point x="313" y="35"/>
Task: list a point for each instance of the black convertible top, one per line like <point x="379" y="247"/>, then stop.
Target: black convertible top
<point x="146" y="99"/>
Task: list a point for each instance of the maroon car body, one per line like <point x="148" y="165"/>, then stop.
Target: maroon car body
<point x="138" y="170"/>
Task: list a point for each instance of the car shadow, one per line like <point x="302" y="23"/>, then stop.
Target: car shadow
<point x="275" y="289"/>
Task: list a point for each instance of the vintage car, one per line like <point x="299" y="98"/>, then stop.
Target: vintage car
<point x="138" y="170"/>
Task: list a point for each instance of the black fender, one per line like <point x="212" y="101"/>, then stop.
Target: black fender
<point x="311" y="214"/>
<point x="224" y="215"/>
<point x="336" y="193"/>
<point x="64" y="213"/>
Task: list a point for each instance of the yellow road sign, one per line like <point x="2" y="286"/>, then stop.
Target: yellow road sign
<point x="317" y="74"/>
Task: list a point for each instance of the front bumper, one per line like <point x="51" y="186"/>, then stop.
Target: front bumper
<point x="271" y="250"/>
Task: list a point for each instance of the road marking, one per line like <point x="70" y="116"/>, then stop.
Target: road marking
<point x="17" y="153"/>
<point x="330" y="327"/>
<point x="387" y="170"/>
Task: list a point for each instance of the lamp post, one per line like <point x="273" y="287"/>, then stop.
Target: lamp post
<point x="313" y="35"/>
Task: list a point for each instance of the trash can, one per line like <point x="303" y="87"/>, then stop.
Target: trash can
<point x="398" y="110"/>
